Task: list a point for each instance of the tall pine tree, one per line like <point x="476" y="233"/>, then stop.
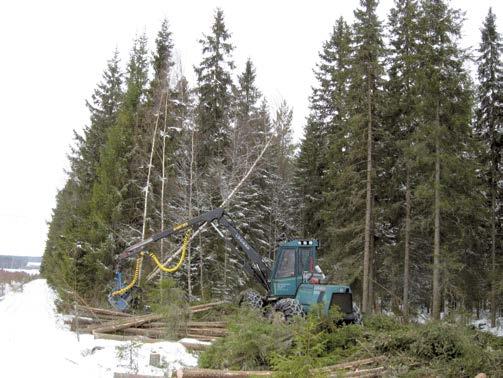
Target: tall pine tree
<point x="489" y="125"/>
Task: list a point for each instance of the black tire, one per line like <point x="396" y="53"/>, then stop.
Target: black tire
<point x="289" y="307"/>
<point x="251" y="299"/>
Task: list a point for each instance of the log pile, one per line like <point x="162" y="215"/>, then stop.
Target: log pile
<point x="104" y="323"/>
<point x="346" y="369"/>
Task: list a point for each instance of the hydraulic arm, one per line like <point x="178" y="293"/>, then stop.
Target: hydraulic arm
<point x="254" y="264"/>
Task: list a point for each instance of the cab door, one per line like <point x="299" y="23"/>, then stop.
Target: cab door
<point x="284" y="281"/>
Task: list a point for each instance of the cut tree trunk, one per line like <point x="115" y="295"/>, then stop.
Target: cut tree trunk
<point x="126" y="323"/>
<point x="213" y="373"/>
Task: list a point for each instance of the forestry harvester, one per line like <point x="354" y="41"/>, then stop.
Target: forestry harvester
<point x="293" y="284"/>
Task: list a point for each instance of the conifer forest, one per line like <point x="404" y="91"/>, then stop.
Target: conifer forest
<point x="398" y="175"/>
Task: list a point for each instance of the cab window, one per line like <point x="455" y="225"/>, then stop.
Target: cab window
<point x="306" y="263"/>
<point x="286" y="267"/>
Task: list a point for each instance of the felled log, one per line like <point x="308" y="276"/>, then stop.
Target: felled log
<point x="213" y="373"/>
<point x="125" y="323"/>
<point x="194" y="346"/>
<point x="108" y="336"/>
<point x="367" y="373"/>
<point x="349" y="365"/>
<point x="201" y="337"/>
<point x="103" y="311"/>
<point x="205" y="306"/>
<point x="207" y="324"/>
<point x="208" y="331"/>
<point x="154" y="333"/>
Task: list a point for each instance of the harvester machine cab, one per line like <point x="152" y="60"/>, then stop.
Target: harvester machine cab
<point x="296" y="274"/>
<point x="296" y="263"/>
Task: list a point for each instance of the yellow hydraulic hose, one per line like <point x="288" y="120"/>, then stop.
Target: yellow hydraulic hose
<point x="133" y="281"/>
<point x="186" y="240"/>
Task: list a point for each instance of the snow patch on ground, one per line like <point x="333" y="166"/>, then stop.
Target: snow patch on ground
<point x="484" y="324"/>
<point x="34" y="341"/>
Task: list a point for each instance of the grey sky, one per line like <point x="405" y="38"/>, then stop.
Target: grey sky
<point x="55" y="51"/>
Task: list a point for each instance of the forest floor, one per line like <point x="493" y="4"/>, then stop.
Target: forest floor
<point x="35" y="342"/>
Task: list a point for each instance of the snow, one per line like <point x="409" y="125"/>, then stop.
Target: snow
<point x="484" y="325"/>
<point x="35" y="342"/>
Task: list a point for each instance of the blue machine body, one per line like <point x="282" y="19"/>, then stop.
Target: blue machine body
<point x="294" y="275"/>
<point x="119" y="302"/>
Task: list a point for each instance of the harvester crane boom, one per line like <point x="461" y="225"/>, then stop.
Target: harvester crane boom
<point x="254" y="265"/>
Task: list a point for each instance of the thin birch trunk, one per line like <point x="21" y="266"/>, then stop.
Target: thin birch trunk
<point x="147" y="186"/>
<point x="163" y="180"/>
<point x="436" y="240"/>
<point x="368" y="211"/>
<point x="201" y="282"/>
<point x="191" y="177"/>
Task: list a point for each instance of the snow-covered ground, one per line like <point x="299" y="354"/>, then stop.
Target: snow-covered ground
<point x="35" y="342"/>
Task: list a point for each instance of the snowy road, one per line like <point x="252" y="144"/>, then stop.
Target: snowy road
<point x="34" y="342"/>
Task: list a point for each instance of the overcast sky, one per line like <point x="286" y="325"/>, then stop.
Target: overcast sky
<point x="55" y="51"/>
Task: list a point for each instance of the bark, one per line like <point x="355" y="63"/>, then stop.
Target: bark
<point x="368" y="205"/>
<point x="147" y="186"/>
<point x="372" y="302"/>
<point x="214" y="373"/>
<point x="102" y="311"/>
<point x="191" y="177"/>
<point x="206" y="306"/>
<point x="436" y="240"/>
<point x="126" y="323"/>
<point x="163" y="181"/>
<point x="107" y="336"/>
<point x="493" y="250"/>
<point x="405" y="308"/>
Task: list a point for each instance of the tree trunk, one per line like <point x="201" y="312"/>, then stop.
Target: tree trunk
<point x="405" y="308"/>
<point x="493" y="249"/>
<point x="163" y="184"/>
<point x="147" y="186"/>
<point x="436" y="240"/>
<point x="368" y="210"/>
<point x="191" y="178"/>
<point x="201" y="282"/>
<point x="372" y="302"/>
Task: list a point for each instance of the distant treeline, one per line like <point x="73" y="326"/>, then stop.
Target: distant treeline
<point x="18" y="262"/>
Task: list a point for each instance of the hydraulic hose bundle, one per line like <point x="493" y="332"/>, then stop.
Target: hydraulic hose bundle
<point x="134" y="280"/>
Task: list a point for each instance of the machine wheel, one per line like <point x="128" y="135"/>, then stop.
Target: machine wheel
<point x="250" y="298"/>
<point x="289" y="307"/>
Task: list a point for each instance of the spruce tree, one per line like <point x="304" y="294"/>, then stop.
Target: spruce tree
<point x="69" y="229"/>
<point x="327" y="113"/>
<point x="489" y="126"/>
<point x="114" y="204"/>
<point x="400" y="121"/>
<point x="444" y="147"/>
<point x="213" y="127"/>
<point x="214" y="89"/>
<point x="366" y="106"/>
